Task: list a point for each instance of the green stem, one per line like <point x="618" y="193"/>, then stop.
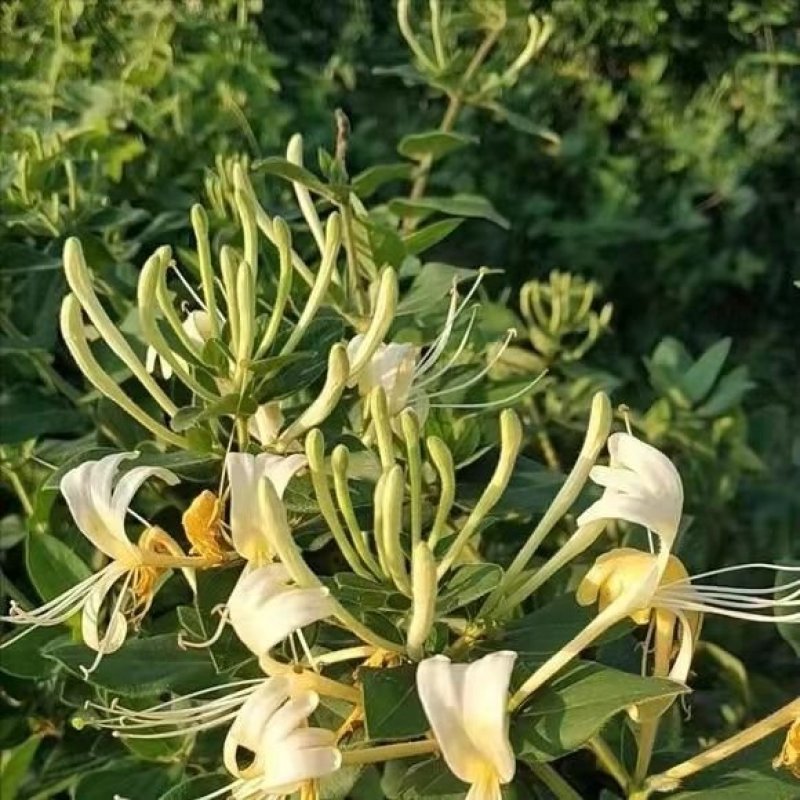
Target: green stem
<point x="16" y="483"/>
<point x="609" y="762"/>
<point x="554" y="782"/>
<point x="388" y="752"/>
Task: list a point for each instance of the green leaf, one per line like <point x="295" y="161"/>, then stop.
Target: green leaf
<point x="23" y="659"/>
<point x="353" y="589"/>
<point x="729" y="391"/>
<point x="565" y="713"/>
<point x="431" y="287"/>
<point x="431" y="778"/>
<point x="459" y="205"/>
<point x="423" y="239"/>
<point x="370" y="180"/>
<point x="52" y="566"/>
<point x="702" y="375"/>
<point x="26" y="413"/>
<point x="14" y="766"/>
<point x="232" y="404"/>
<point x="469" y="583"/>
<point x="198" y="786"/>
<point x="292" y="172"/>
<point x="536" y="636"/>
<point x="435" y="144"/>
<point x="126" y="778"/>
<point x="392" y="709"/>
<point x="141" y="667"/>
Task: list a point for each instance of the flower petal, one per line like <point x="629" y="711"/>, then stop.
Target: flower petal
<point x="116" y="627"/>
<point x="485" y="717"/>
<point x="280" y="469"/>
<point x="87" y="490"/>
<point x="440" y="685"/>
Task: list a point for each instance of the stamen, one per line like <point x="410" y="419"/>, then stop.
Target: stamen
<point x="439" y="344"/>
<point x="185" y="643"/>
<point x="494" y="403"/>
<point x="452" y="360"/>
<point x="307" y="650"/>
<point x="510" y="334"/>
<point x="739" y="567"/>
<point x="189" y="288"/>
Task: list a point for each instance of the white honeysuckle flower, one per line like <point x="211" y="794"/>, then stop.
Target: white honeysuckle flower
<point x="249" y="528"/>
<point x="677" y="603"/>
<point x="99" y="504"/>
<point x="265" y="607"/>
<point x="407" y="376"/>
<point x="282" y="751"/>
<point x="642" y="486"/>
<point x="466" y="705"/>
<point x="266" y="423"/>
<point x="197" y="325"/>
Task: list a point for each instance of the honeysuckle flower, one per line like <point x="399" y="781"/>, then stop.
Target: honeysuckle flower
<point x="466" y="707"/>
<point x="789" y="757"/>
<point x="642" y="486"/>
<point x="248" y="522"/>
<point x="265" y="607"/>
<point x="198" y="328"/>
<point x="407" y="376"/>
<point x="99" y="503"/>
<point x="283" y="752"/>
<point x="202" y="524"/>
<point x="681" y="600"/>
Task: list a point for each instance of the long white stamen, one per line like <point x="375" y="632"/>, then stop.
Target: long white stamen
<point x="475" y="378"/>
<point x="738" y="568"/>
<point x="116" y="708"/>
<point x="724" y="612"/>
<point x="731" y="601"/>
<point x="452" y="360"/>
<point x="494" y="403"/>
<point x="231" y="787"/>
<point x="185" y="643"/>
<point x="307" y="650"/>
<point x="53" y="612"/>
<point x="440" y="343"/>
<point x="181" y="731"/>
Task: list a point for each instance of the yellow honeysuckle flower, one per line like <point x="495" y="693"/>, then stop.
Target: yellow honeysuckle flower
<point x="789" y="757"/>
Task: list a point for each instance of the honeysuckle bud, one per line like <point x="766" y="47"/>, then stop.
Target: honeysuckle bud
<point x="265" y="607"/>
<point x="249" y="521"/>
<point x="362" y="348"/>
<point x="200" y="227"/>
<point x="73" y="331"/>
<point x="149" y="278"/>
<point x="423" y="599"/>
<point x="80" y="282"/>
<point x="391" y="525"/>
<point x="381" y="420"/>
<point x="442" y="460"/>
<point x="600" y="417"/>
<point x="315" y="453"/>
<point x="411" y="433"/>
<point x="510" y="441"/>
<point x="466" y="707"/>
<point x="283" y="242"/>
<point x="325" y="402"/>
<point x="333" y="241"/>
<point x="245" y="296"/>
<point x="247" y="217"/>
<point x="294" y="154"/>
<point x="229" y="267"/>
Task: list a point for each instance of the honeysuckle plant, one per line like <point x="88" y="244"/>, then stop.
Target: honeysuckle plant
<point x="343" y="447"/>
